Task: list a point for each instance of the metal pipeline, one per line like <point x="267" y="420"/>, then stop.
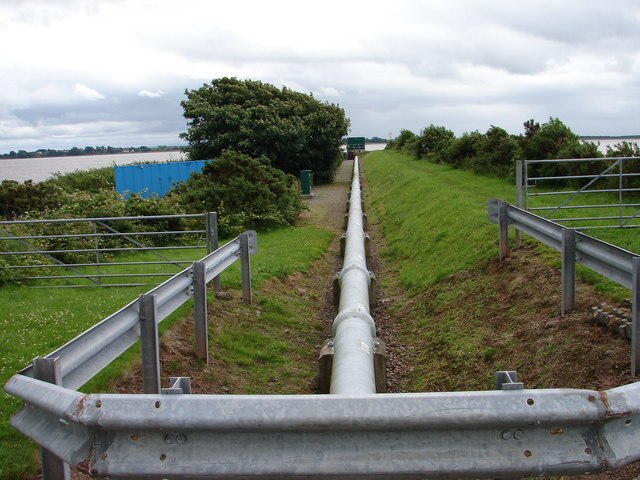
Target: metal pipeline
<point x="354" y="330"/>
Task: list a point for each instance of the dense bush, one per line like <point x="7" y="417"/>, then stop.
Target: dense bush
<point x="400" y="141"/>
<point x="93" y="180"/>
<point x="627" y="149"/>
<point x="292" y="130"/>
<point x="19" y="198"/>
<point x="495" y="151"/>
<point x="246" y="192"/>
<point x="434" y="141"/>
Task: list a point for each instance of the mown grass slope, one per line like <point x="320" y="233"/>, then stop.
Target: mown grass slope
<point x="434" y="222"/>
<point x="466" y="315"/>
<point x="434" y="219"/>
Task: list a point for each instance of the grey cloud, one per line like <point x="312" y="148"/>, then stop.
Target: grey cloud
<point x="463" y="64"/>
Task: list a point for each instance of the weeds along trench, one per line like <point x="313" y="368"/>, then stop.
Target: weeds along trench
<point x="449" y="313"/>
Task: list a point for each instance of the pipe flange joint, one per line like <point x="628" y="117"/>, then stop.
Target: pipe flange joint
<point x="354" y="266"/>
<point x="358" y="311"/>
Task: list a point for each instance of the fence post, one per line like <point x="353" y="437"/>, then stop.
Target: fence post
<point x="212" y="243"/>
<point x="525" y="183"/>
<point x="48" y="370"/>
<point x="503" y="223"/>
<point x="200" y="311"/>
<point x="150" y="348"/>
<point x="635" y="306"/>
<point x="245" y="266"/>
<point x="518" y="240"/>
<point x="568" y="270"/>
<point x="620" y="187"/>
<point x="97" y="245"/>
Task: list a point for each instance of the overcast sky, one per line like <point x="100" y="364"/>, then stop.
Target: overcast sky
<point x="81" y="72"/>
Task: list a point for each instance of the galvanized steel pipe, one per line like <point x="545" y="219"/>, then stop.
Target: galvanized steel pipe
<point x="354" y="330"/>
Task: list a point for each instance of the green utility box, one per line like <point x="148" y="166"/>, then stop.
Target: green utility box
<point x="306" y="180"/>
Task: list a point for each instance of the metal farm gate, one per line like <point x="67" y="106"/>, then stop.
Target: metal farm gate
<point x="583" y="193"/>
<point x="89" y="252"/>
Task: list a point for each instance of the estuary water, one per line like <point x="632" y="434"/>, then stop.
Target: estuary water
<point x="605" y="142"/>
<point x="39" y="169"/>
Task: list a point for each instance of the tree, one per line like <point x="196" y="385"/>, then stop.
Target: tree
<point x="292" y="130"/>
<point x="624" y="149"/>
<point x="434" y="140"/>
<point x="462" y="151"/>
<point x="402" y="138"/>
<point x="496" y="152"/>
<point x="246" y="192"/>
<point x="550" y="140"/>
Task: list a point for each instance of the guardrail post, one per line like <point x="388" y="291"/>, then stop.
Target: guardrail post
<point x="149" y="340"/>
<point x="200" y="311"/>
<point x="568" y="270"/>
<point x="503" y="223"/>
<point x="97" y="245"/>
<point x="508" y="380"/>
<point x="635" y="308"/>
<point x="212" y="243"/>
<point x="245" y="266"/>
<point x="518" y="240"/>
<point x="48" y="370"/>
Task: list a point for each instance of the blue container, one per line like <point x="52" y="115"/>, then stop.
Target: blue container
<point x="154" y="179"/>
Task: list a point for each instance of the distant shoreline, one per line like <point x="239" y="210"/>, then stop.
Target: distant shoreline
<point x="87" y="151"/>
<point x="609" y="137"/>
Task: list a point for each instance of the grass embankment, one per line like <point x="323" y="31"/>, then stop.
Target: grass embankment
<point x="467" y="315"/>
<point x="36" y="321"/>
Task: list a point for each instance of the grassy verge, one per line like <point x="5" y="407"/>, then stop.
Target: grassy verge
<point x="36" y="321"/>
<point x="467" y="315"/>
<point x="434" y="219"/>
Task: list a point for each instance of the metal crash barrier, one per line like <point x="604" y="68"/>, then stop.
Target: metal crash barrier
<point x="352" y="433"/>
<point x="465" y="434"/>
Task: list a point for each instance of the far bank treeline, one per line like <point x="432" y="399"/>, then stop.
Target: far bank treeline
<point x="260" y="137"/>
<point x="496" y="151"/>
<point x="78" y="152"/>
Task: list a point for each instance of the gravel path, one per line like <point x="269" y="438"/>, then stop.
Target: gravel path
<point x="327" y="205"/>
